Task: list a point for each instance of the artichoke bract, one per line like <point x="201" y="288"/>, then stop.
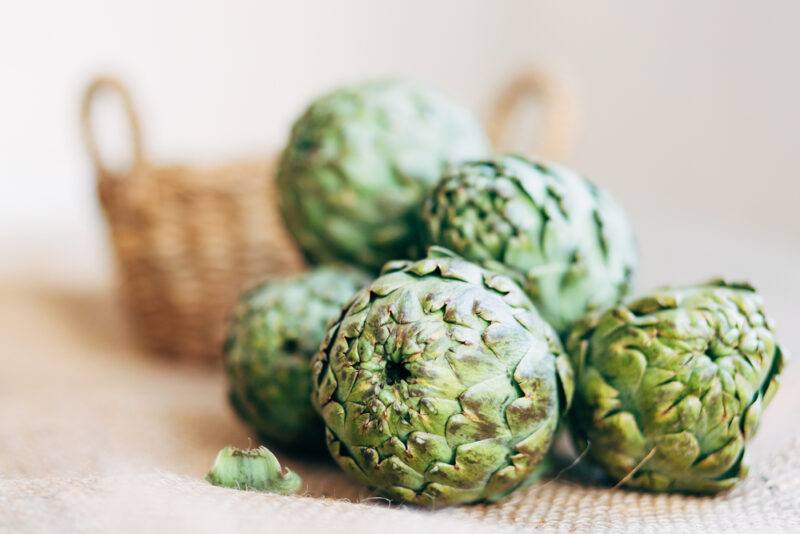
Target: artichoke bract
<point x="440" y="384"/>
<point x="358" y="163"/>
<point x="564" y="240"/>
<point x="253" y="470"/>
<point x="671" y="386"/>
<point x="275" y="330"/>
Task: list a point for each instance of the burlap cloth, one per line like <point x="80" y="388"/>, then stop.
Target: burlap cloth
<point x="95" y="436"/>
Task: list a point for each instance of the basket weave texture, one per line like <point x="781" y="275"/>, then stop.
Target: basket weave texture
<point x="187" y="239"/>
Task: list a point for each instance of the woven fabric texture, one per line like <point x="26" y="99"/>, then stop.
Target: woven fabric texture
<point x="97" y="437"/>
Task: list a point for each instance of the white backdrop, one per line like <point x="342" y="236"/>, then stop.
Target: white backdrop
<point x="689" y="108"/>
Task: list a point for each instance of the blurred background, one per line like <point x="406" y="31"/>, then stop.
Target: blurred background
<point x="688" y="110"/>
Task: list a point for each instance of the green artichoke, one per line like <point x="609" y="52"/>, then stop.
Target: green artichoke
<point x="275" y="330"/>
<point x="671" y="386"/>
<point x="358" y="163"/>
<point x="440" y="384"/>
<point x="253" y="470"/>
<point x="565" y="241"/>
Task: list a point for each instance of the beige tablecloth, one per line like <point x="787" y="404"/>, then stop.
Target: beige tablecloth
<point x="96" y="436"/>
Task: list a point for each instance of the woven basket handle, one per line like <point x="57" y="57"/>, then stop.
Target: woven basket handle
<point x="106" y="83"/>
<point x="559" y="120"/>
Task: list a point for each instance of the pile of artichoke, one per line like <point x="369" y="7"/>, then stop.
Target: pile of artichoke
<point x="500" y="315"/>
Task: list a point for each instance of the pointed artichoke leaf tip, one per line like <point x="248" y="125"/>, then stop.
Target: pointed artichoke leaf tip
<point x="253" y="470"/>
<point x="437" y="251"/>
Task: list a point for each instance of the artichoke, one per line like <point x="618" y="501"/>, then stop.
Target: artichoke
<point x="564" y="240"/>
<point x="275" y="330"/>
<point x="671" y="386"/>
<point x="253" y="470"/>
<point x="440" y="384"/>
<point x="358" y="163"/>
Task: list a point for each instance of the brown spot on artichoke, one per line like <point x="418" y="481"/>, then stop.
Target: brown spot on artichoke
<point x="460" y="421"/>
<point x="670" y="386"/>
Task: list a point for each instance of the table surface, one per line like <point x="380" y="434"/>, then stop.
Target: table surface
<point x="96" y="435"/>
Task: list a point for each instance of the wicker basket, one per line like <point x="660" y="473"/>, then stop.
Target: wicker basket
<point x="187" y="239"/>
<point x="559" y="113"/>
